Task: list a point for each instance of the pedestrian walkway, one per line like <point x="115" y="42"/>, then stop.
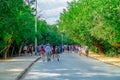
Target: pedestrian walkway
<point x="11" y="69"/>
<point x="72" y="67"/>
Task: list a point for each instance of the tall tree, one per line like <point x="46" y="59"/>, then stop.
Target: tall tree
<point x="89" y="24"/>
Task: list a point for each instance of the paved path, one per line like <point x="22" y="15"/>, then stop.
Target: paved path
<point x="12" y="68"/>
<point x="73" y="67"/>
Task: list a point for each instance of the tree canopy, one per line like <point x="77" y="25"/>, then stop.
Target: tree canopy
<point x="94" y="23"/>
<point x="17" y="26"/>
<point x="86" y="22"/>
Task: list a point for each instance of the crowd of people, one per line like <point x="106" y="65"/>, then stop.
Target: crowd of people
<point x="52" y="52"/>
<point x="47" y="52"/>
<point x="28" y="50"/>
<point x="77" y="49"/>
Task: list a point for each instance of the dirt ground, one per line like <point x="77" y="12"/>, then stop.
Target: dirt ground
<point x="110" y="60"/>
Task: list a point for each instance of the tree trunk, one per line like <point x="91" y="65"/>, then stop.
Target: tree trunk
<point x="21" y="48"/>
<point x="13" y="50"/>
<point x="6" y="51"/>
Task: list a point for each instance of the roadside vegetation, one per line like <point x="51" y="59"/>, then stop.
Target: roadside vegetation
<point x="17" y="28"/>
<point x="95" y="23"/>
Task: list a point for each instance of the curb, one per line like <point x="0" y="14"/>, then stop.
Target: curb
<point x="19" y="77"/>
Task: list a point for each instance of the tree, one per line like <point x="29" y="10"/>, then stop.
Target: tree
<point x="96" y="26"/>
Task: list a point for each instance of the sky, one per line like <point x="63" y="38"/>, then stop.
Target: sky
<point x="50" y="9"/>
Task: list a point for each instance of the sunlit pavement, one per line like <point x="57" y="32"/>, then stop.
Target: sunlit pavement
<point x="73" y="67"/>
<point x="12" y="68"/>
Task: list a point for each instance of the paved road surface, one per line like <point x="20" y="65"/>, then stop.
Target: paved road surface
<point x="10" y="69"/>
<point x="73" y="67"/>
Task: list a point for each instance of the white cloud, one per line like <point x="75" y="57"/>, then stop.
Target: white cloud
<point x="53" y="12"/>
<point x="51" y="20"/>
<point x="51" y="9"/>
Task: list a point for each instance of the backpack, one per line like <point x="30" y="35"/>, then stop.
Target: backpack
<point x="58" y="50"/>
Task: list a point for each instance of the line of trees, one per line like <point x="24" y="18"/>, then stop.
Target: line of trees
<point x="17" y="28"/>
<point x="95" y="23"/>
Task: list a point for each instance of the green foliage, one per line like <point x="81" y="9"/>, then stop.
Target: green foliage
<point x="17" y="25"/>
<point x="93" y="23"/>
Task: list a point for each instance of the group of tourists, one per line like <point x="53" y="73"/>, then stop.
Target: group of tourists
<point x="28" y="49"/>
<point x="52" y="52"/>
<point x="77" y="49"/>
<point x="83" y="49"/>
<point x="47" y="52"/>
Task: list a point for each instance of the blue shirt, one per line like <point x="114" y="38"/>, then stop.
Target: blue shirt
<point x="47" y="48"/>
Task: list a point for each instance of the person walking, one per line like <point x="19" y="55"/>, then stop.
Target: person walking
<point x="48" y="52"/>
<point x="58" y="53"/>
<point x="79" y="50"/>
<point x="86" y="51"/>
<point x="30" y="50"/>
<point x="25" y="49"/>
<point x="61" y="48"/>
<point x="68" y="48"/>
<point x="42" y="51"/>
<point x="53" y="51"/>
